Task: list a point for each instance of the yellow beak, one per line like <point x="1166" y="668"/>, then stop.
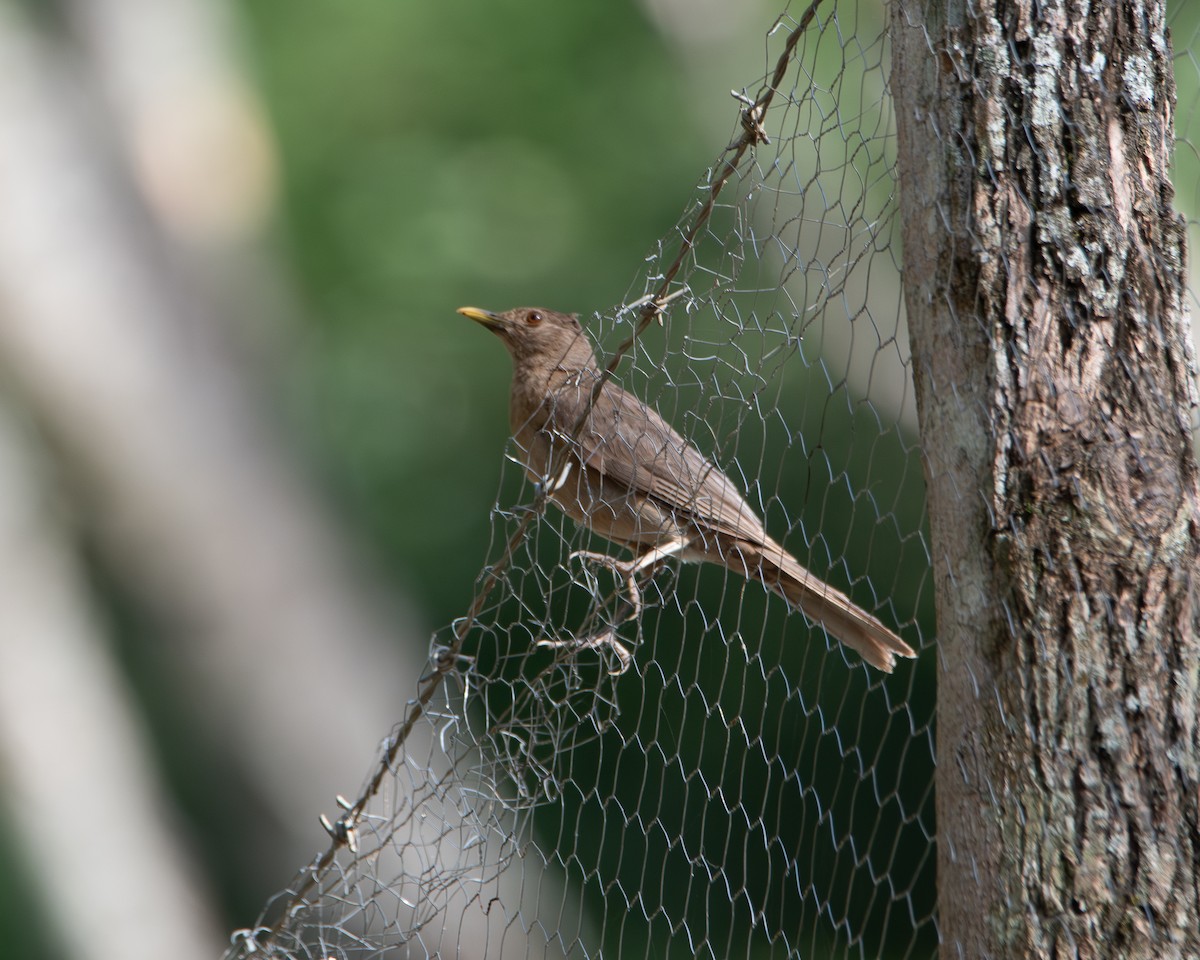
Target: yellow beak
<point x="490" y="320"/>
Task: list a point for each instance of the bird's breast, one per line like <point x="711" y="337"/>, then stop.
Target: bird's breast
<point x="590" y="498"/>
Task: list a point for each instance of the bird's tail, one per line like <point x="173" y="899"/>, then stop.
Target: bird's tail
<point x="843" y="618"/>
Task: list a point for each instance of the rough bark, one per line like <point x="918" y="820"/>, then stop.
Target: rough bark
<point x="1045" y="291"/>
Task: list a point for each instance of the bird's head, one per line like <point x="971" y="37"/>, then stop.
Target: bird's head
<point x="537" y="335"/>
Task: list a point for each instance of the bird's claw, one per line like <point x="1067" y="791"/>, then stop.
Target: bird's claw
<point x="621" y="569"/>
<point x="596" y="641"/>
<point x="608" y="636"/>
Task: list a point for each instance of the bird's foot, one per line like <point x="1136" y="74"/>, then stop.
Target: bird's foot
<point x="607" y="637"/>
<point x="597" y="641"/>
<point x="625" y="570"/>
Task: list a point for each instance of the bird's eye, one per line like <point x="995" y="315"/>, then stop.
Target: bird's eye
<point x="533" y="318"/>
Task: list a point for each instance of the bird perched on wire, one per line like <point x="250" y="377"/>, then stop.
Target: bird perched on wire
<point x="623" y="472"/>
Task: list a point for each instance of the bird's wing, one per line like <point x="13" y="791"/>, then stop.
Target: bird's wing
<point x="630" y="443"/>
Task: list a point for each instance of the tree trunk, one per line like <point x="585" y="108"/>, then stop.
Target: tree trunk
<point x="1044" y="284"/>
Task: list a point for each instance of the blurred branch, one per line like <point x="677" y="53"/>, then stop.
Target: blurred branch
<point x="191" y="492"/>
<point x="193" y="141"/>
<point x="188" y="122"/>
<point x="95" y="830"/>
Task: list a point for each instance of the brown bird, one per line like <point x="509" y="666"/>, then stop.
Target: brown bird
<point x="628" y="476"/>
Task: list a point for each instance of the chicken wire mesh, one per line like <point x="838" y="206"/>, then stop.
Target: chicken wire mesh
<point x="743" y="786"/>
